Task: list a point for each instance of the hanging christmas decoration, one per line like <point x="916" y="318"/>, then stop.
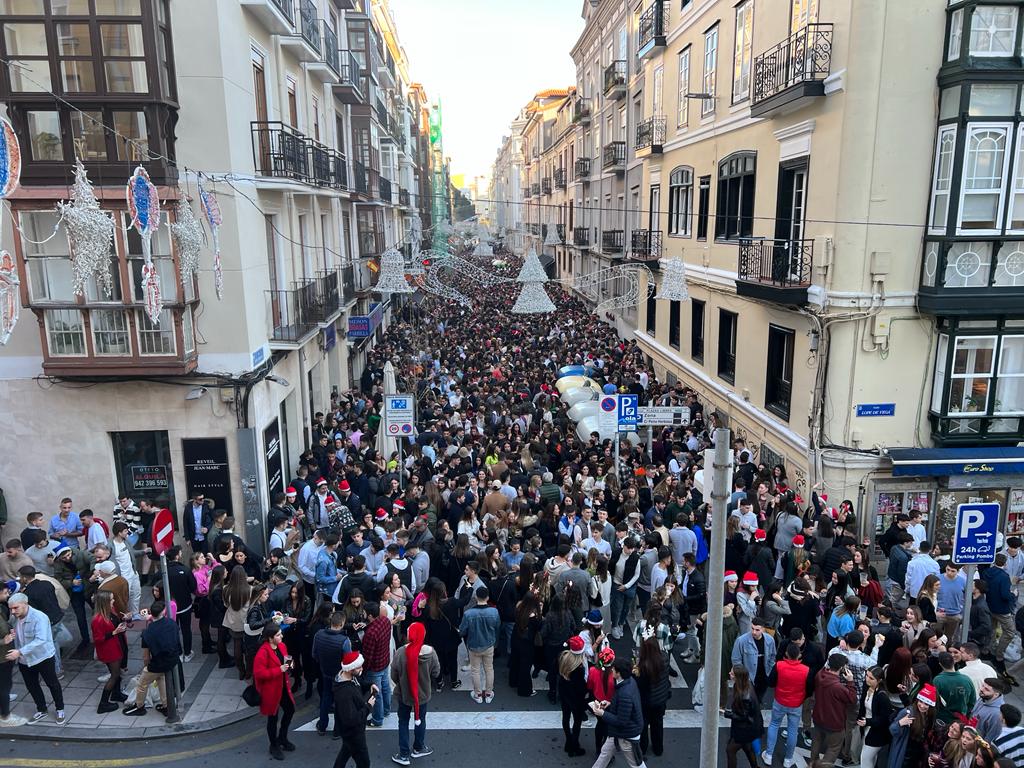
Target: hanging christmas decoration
<point x="673" y="281"/>
<point x="415" y="267"/>
<point x="90" y="233"/>
<point x="10" y="301"/>
<point x="188" y="237"/>
<point x="211" y="209"/>
<point x="10" y="159"/>
<point x="552" y="238"/>
<point x="144" y="208"/>
<point x="483" y="250"/>
<point x="533" y="299"/>
<point x="533" y="270"/>
<point x="392" y="273"/>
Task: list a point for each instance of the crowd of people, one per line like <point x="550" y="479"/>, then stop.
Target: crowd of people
<point x="500" y="528"/>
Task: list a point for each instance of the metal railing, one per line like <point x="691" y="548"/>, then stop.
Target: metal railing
<point x="645" y="245"/>
<point x="279" y="150"/>
<point x="382" y="114"/>
<point x="650" y="132"/>
<point x="328" y="294"/>
<point x="535" y="190"/>
<point x="581" y="237"/>
<point x="613" y="240"/>
<point x="545" y="185"/>
<point x="321" y="167"/>
<point x="580" y="109"/>
<point x="285" y="7"/>
<point x="804" y="56"/>
<point x="348" y="282"/>
<point x="651" y="25"/>
<point x="350" y="71"/>
<point x="385" y="190"/>
<point x="292" y="313"/>
<point x="560" y="178"/>
<point x="331" y="56"/>
<point x="582" y="168"/>
<point x="403" y="197"/>
<point x="527" y="192"/>
<point x="615" y="75"/>
<point x="309" y="24"/>
<point x="339" y="171"/>
<point x="359" y="180"/>
<point x="784" y="263"/>
<point x="614" y="154"/>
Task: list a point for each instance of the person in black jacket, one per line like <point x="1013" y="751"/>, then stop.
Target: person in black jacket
<point x="874" y="715"/>
<point x="745" y="720"/>
<point x="655" y="691"/>
<point x="353" y="702"/>
<point x="572" y="692"/>
<point x="623" y="717"/>
<point x="893" y="636"/>
<point x="196" y="521"/>
<point x="183" y="588"/>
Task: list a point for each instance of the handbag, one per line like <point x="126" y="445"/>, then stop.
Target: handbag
<point x="251" y="696"/>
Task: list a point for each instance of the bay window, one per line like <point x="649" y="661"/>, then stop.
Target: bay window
<point x="942" y="178"/>
<point x="956" y="33"/>
<point x="993" y="30"/>
<point x="986" y="156"/>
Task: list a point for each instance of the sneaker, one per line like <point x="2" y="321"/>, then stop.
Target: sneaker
<point x="422" y="752"/>
<point x="276" y="753"/>
<point x="788" y="763"/>
<point x="766" y="758"/>
<point x="133" y="711"/>
<point x="187" y="658"/>
<point x="12" y="721"/>
<point x="456" y="684"/>
<point x="464" y="668"/>
<point x="371" y="724"/>
<point x="37" y="716"/>
<point x="12" y="696"/>
<point x="103" y="678"/>
<point x="400" y="760"/>
<point x="488" y="697"/>
<point x="477" y="697"/>
<point x="60" y="718"/>
<point x="60" y="675"/>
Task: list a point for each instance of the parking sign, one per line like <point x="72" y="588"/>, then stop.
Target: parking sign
<point x="629" y="412"/>
<point x="974" y="539"/>
<point x="399" y="414"/>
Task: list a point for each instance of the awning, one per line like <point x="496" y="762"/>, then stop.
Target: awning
<point x="945" y="462"/>
<point x="547" y="262"/>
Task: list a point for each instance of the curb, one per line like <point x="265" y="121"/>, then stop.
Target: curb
<point x="80" y="734"/>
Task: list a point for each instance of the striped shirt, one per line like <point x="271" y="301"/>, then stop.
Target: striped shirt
<point x="1010" y="743"/>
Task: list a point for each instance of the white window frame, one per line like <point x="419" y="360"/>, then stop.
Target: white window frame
<point x="678" y="212"/>
<point x="1016" y="181"/>
<point x="973" y="128"/>
<point x="743" y="53"/>
<point x="683" y="86"/>
<point x="944" y="131"/>
<point x="1000" y="376"/>
<point x="956" y="34"/>
<point x="990" y="376"/>
<point x="658" y="92"/>
<point x="709" y="79"/>
<point x="990" y="53"/>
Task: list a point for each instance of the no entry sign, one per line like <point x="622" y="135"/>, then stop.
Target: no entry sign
<point x="163" y="531"/>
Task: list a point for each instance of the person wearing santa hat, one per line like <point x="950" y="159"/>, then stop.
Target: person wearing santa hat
<point x="911" y="724"/>
<point x="353" y="702"/>
<point x="731" y="582"/>
<point x="349" y="498"/>
<point x="413" y="668"/>
<point x="748" y="600"/>
<point x="572" y="691"/>
<point x="316" y="509"/>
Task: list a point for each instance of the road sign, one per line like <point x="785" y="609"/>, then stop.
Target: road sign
<point x="974" y="538"/>
<point x="608" y="415"/>
<point x="399" y="414"/>
<point x="663" y="416"/>
<point x="876" y="409"/>
<point x="163" y="530"/>
<point x="628" y="407"/>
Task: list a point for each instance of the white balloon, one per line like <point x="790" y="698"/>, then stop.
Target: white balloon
<point x="580" y="411"/>
<point x="579" y="395"/>
<point x="572" y="382"/>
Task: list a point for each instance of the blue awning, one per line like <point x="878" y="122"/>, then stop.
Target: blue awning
<point x="945" y="462"/>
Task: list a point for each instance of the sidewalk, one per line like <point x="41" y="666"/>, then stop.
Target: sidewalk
<point x="212" y="699"/>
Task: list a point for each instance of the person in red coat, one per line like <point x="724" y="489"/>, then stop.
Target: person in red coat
<point x="106" y="637"/>
<point x="270" y="676"/>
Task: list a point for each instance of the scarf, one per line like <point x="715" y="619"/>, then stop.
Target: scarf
<point x="412" y="662"/>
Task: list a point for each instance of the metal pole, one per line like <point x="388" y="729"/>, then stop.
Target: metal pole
<point x="618" y="473"/>
<point x="968" y="599"/>
<point x="720" y="462"/>
<point x="650" y="442"/>
<point x="170" y="677"/>
<point x="401" y="463"/>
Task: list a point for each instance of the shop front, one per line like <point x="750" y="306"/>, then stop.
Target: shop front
<point x="934" y="481"/>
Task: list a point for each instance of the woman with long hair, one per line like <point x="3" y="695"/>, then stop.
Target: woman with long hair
<point x="897" y="672"/>
<point x="910" y="727"/>
<point x="356" y="619"/>
<point x="873" y="717"/>
<point x="928" y="598"/>
<point x="257" y="616"/>
<point x="236" y="601"/>
<point x="572" y="693"/>
<point x="556" y="629"/>
<point x="652" y="678"/>
<point x="745" y="720"/>
<point x="105" y="637"/>
<point x="842" y="621"/>
<point x="218" y="577"/>
<point x="774" y="607"/>
<point x="298" y="606"/>
<point x="735" y="546"/>
<point x="441" y="616"/>
<point x="271" y="665"/>
<point x="320" y="619"/>
<point x="824" y="537"/>
<point x="524" y="639"/>
<point x="201" y="566"/>
<point x="913" y="625"/>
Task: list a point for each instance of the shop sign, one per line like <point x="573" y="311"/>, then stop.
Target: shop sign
<point x="207" y="470"/>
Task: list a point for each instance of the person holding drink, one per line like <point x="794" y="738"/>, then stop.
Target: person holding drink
<point x="271" y="667"/>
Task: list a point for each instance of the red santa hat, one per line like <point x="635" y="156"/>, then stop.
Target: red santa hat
<point x="382" y="514"/>
<point x="750" y="579"/>
<point x="398" y="504"/>
<point x="760" y="535"/>
<point x="290" y="491"/>
<point x="320" y="482"/>
<point x="798" y="540"/>
<point x="731" y="576"/>
<point x="351" y="661"/>
<point x="329" y="499"/>
<point x="576" y="644"/>
<point x="344" y="486"/>
<point x="927" y="694"/>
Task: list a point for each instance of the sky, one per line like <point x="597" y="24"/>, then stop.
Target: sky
<point x="485" y="59"/>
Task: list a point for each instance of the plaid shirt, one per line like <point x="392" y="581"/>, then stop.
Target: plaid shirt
<point x="377" y="644"/>
<point x="859" y="663"/>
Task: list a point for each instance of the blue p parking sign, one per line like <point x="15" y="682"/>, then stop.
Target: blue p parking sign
<point x="629" y="412"/>
<point x="974" y="539"/>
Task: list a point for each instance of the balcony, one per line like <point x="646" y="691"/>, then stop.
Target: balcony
<point x="613" y="241"/>
<point x="651" y="30"/>
<point x="535" y="190"/>
<point x="966" y="278"/>
<point x="371" y="243"/>
<point x="615" y="80"/>
<point x="778" y="271"/>
<point x="560" y="178"/>
<point x="581" y="111"/>
<point x="650" y="136"/>
<point x="360" y="184"/>
<point x="276" y="15"/>
<point x="615" y="157"/>
<point x="582" y="169"/>
<point x="348" y="285"/>
<point x="581" y="237"/>
<point x="385" y="191"/>
<point x="403" y="197"/>
<point x="306" y="45"/>
<point x="382" y="114"/>
<point x="545" y="185"/>
<point x="328" y="295"/>
<point x="527" y="191"/>
<point x="645" y="245"/>
<point x="349" y="88"/>
<point x="293" y="315"/>
<point x="281" y="152"/>
<point x="328" y="68"/>
<point x="791" y="74"/>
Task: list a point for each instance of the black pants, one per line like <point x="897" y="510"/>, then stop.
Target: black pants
<point x="733" y="747"/>
<point x="184" y="619"/>
<point x="572" y="721"/>
<point x="353" y="745"/>
<point x="223" y="635"/>
<point x="551" y="654"/>
<point x="449" y="658"/>
<point x="600" y="734"/>
<point x="278" y="734"/>
<point x="6" y="681"/>
<point x="46" y="669"/>
<point x="654" y="725"/>
<point x="78" y="606"/>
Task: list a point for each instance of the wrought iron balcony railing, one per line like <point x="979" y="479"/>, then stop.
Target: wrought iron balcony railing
<point x="615" y="75"/>
<point x="781" y="263"/>
<point x="614" y="154"/>
<point x="803" y="57"/>
<point x="650" y="133"/>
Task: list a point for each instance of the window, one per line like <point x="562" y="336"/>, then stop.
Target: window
<point x="803" y="12"/>
<point x="956" y="34"/>
<point x="673" y="324"/>
<point x="133" y="139"/>
<point x="652" y="315"/>
<point x="942" y="178"/>
<point x="697" y="330"/>
<point x="727" y="322"/>
<point x="65" y="332"/>
<point x="657" y="91"/>
<point x="970" y="376"/>
<point x="1016" y="220"/>
<point x="743" y="53"/>
<point x="74" y="47"/>
<point x="703" y="207"/>
<point x="47" y="259"/>
<point x="990" y="100"/>
<point x="680" y="202"/>
<point x="155" y="339"/>
<point x="734" y="212"/>
<point x="160" y="247"/>
<point x="984" y="176"/>
<point x="88" y="136"/>
<point x="29" y="68"/>
<point x="316" y="117"/>
<point x="683" y="107"/>
<point x="124" y="61"/>
<point x="993" y="30"/>
<point x="44" y="136"/>
<point x="110" y="334"/>
<point x="779" y="371"/>
<point x="710" y="65"/>
<point x="293" y="105"/>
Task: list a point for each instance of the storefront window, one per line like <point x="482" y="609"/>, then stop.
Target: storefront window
<point x="142" y="462"/>
<point x="890" y="503"/>
<point x="1015" y="513"/>
<point x="945" y="510"/>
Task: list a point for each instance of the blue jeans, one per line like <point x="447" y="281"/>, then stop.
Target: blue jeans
<point x="326" y="691"/>
<point x="382" y="705"/>
<point x="792" y="715"/>
<point x="621" y="603"/>
<point x="504" y="645"/>
<point x="420" y="731"/>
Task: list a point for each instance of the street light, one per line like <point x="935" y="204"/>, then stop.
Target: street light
<point x="195" y="393"/>
<point x="278" y="380"/>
